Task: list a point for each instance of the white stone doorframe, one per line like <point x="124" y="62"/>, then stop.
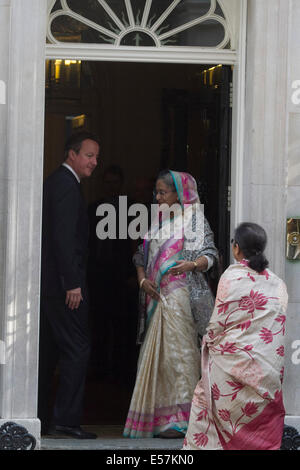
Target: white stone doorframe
<point x="23" y="178"/>
<point x="21" y="188"/>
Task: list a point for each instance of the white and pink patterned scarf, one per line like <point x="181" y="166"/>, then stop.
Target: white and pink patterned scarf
<point x="237" y="404"/>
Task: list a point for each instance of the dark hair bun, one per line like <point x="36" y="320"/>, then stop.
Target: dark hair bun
<point x="258" y="262"/>
<point x="252" y="240"/>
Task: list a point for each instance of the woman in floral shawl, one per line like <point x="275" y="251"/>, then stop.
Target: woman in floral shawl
<point x="237" y="404"/>
<point x="176" y="305"/>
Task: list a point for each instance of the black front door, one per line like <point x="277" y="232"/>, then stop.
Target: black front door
<point x="197" y="139"/>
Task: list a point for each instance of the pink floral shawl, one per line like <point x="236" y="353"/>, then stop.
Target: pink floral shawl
<point x="237" y="404"/>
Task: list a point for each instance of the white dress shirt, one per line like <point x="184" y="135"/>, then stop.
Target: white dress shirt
<point x="72" y="171"/>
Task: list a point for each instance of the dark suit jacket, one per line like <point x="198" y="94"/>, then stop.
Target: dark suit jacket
<point x="64" y="234"/>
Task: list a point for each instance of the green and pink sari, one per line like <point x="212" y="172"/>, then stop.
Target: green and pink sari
<point x="169" y="361"/>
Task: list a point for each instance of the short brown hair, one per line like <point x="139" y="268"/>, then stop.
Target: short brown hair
<point x="74" y="142"/>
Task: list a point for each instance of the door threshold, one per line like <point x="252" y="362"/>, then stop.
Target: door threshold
<point x="109" y="438"/>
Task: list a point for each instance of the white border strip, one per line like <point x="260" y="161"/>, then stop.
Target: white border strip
<point x="2" y="352"/>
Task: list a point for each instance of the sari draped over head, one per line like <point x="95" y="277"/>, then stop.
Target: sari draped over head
<point x="171" y="250"/>
<point x="195" y="240"/>
<point x="169" y="360"/>
<point x="237" y="404"/>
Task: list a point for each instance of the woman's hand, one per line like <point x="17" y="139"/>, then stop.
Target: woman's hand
<point x="182" y="267"/>
<point x="151" y="289"/>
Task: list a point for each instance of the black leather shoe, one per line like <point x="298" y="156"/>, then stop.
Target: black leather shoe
<point x="72" y="431"/>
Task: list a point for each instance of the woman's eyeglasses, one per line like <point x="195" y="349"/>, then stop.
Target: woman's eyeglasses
<point x="161" y="193"/>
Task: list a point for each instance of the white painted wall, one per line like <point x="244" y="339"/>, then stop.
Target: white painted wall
<point x="272" y="152"/>
<point x="292" y="268"/>
<point x="4" y="55"/>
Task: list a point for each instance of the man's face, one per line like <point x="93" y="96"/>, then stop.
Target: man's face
<point x="85" y="161"/>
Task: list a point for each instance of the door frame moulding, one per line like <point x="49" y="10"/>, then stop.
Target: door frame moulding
<point x="185" y="55"/>
<point x="238" y="122"/>
<point x="182" y="54"/>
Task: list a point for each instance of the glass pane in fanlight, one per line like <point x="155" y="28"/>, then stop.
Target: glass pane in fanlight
<point x="210" y="33"/>
<point x="93" y="11"/>
<point x="119" y="8"/>
<point x="185" y="11"/>
<point x="158" y="7"/>
<point x="56" y="6"/>
<point x="138" y="10"/>
<point x="66" y="29"/>
<point x="219" y="11"/>
<point x="137" y="39"/>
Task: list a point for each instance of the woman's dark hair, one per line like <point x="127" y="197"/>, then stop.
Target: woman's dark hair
<point x="252" y="240"/>
<point x="167" y="178"/>
<point x="115" y="170"/>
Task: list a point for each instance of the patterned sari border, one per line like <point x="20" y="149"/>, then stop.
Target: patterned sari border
<point x="142" y="425"/>
<point x="139" y="424"/>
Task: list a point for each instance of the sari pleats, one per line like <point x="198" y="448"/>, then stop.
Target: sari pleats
<point x="168" y="370"/>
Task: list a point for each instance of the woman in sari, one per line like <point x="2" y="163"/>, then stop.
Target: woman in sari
<point x="176" y="304"/>
<point x="237" y="404"/>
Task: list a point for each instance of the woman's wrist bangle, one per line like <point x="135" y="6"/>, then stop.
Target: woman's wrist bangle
<point x="195" y="266"/>
<point x="142" y="282"/>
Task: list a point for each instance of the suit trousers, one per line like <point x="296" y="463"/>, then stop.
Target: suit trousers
<point x="64" y="338"/>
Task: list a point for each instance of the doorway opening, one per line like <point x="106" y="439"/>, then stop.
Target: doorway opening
<point x="149" y="116"/>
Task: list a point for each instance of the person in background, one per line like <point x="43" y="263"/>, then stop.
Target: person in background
<point x="237" y="404"/>
<point x="113" y="354"/>
<point x="176" y="303"/>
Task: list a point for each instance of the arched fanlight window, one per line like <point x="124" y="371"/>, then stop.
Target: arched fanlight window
<point x="140" y="23"/>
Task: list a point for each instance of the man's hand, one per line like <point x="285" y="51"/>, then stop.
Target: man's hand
<point x="73" y="298"/>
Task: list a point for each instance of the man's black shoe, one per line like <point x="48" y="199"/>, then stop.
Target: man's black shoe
<point x="72" y="431"/>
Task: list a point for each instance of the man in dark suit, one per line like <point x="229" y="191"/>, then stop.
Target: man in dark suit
<point x="64" y="332"/>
